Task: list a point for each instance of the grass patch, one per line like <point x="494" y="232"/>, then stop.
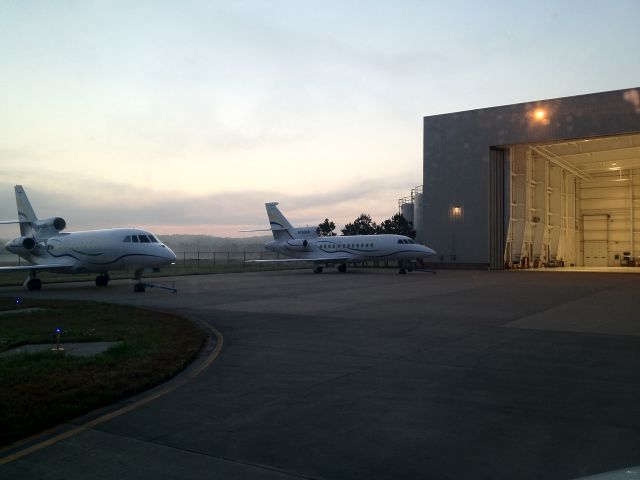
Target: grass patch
<point x="41" y="390"/>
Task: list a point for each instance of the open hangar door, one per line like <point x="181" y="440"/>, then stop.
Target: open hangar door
<point x="573" y="203"/>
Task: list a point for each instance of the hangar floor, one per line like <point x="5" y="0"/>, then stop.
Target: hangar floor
<point x="584" y="270"/>
<point x="370" y="374"/>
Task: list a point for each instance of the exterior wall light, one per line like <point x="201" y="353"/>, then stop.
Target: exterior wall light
<point x="456" y="212"/>
<point x="538" y="116"/>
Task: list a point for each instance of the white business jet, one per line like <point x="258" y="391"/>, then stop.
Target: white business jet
<point x="46" y="248"/>
<point x="305" y="244"/>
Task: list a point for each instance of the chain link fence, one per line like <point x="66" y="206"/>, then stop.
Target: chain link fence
<point x="211" y="258"/>
<point x="203" y="259"/>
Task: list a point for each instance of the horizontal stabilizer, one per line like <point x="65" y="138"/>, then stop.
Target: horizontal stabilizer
<point x="276" y="226"/>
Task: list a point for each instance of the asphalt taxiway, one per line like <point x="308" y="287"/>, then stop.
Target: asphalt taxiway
<point x="370" y="374"/>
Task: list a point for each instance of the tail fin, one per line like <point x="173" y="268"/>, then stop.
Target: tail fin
<point x="280" y="226"/>
<point x="26" y="215"/>
<point x="282" y="229"/>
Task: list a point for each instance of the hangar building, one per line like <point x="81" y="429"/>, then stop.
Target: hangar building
<point x="543" y="183"/>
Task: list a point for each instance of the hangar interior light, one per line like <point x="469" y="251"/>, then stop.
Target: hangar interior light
<point x="619" y="179"/>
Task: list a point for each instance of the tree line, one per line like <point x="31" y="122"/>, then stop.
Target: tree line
<point x="364" y="225"/>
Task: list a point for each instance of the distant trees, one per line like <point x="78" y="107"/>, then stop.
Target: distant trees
<point x="364" y="225"/>
<point x="327" y="228"/>
<point x="397" y="225"/>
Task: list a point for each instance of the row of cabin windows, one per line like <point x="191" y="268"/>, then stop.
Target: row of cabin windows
<point x="140" y="239"/>
<point x="350" y="245"/>
<point x="364" y="245"/>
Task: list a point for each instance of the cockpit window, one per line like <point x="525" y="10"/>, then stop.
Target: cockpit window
<point x="134" y="238"/>
<point x="127" y="239"/>
<point x="399" y="240"/>
<point x="144" y="239"/>
<point x="153" y="239"/>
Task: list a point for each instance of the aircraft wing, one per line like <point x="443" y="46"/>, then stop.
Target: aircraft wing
<point x="317" y="260"/>
<point x="7" y="222"/>
<point x="20" y="268"/>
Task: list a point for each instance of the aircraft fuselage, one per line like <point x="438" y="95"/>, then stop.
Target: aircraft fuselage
<point x="356" y="248"/>
<point x="98" y="251"/>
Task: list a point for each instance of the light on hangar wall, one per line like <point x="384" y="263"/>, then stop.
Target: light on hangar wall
<point x="539" y="116"/>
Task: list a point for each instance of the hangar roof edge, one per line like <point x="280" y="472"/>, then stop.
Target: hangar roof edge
<point x="529" y="102"/>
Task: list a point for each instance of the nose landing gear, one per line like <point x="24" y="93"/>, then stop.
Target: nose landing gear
<point x="405" y="266"/>
<point x="141" y="287"/>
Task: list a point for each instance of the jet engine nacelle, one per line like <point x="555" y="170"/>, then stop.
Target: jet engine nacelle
<point x="50" y="224"/>
<point x="21" y="245"/>
<point x="297" y="244"/>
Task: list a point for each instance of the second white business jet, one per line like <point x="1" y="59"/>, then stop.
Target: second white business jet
<point x="304" y="244"/>
<point x="43" y="244"/>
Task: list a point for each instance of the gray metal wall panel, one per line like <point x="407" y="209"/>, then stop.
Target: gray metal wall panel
<point x="456" y="159"/>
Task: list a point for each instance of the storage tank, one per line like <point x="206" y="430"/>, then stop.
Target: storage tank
<point x="406" y="210"/>
<point x="418" y="213"/>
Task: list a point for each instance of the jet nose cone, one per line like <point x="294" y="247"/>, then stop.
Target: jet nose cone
<point x="426" y="251"/>
<point x="169" y="255"/>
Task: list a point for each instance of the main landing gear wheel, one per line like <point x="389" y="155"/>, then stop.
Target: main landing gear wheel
<point x="102" y="280"/>
<point x="34" y="284"/>
<point x="402" y="271"/>
<point x="342" y="267"/>
<point x="139" y="287"/>
<point x="317" y="270"/>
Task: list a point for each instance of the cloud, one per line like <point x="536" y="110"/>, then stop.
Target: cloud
<point x="90" y="203"/>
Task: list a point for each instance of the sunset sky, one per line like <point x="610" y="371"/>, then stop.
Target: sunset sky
<point x="185" y="117"/>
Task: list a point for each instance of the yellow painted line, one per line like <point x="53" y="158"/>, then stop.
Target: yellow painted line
<point x="115" y="413"/>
